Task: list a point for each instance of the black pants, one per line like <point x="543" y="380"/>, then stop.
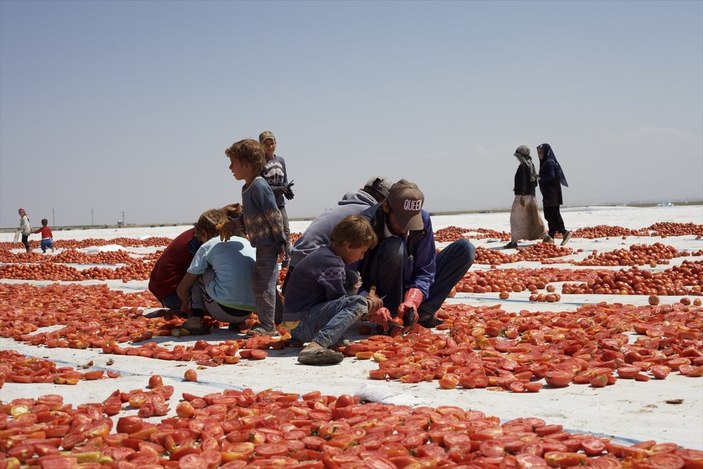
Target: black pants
<point x="25" y="241"/>
<point x="554" y="220"/>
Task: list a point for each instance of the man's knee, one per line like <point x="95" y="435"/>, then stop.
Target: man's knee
<point x="464" y="250"/>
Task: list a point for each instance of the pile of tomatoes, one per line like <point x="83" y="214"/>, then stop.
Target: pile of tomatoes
<point x="684" y="279"/>
<point x="520" y="352"/>
<point x="241" y="428"/>
<point x="637" y="254"/>
<point x="452" y="233"/>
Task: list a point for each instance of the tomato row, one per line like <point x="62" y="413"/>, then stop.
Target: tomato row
<point x="520" y="352"/>
<point x="241" y="428"/>
<point x="18" y="368"/>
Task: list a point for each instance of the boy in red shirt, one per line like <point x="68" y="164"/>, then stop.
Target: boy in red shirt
<point x="47" y="236"/>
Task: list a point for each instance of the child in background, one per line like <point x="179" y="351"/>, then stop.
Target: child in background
<point x="47" y="236"/>
<point x="321" y="298"/>
<point x="218" y="280"/>
<point x="25" y="228"/>
<point x="264" y="226"/>
<point x="276" y="175"/>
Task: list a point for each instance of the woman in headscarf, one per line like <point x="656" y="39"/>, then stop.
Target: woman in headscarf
<point x="525" y="222"/>
<point x="551" y="178"/>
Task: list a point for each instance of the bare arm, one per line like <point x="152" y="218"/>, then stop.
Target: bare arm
<point x="183" y="290"/>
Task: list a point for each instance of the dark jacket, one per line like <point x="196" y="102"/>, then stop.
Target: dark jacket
<point x="420" y="265"/>
<point x="523" y="185"/>
<point x="551" y="178"/>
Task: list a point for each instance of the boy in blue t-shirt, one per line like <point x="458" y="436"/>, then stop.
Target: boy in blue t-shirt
<point x="218" y="279"/>
<point x="321" y="300"/>
<point x="264" y="226"/>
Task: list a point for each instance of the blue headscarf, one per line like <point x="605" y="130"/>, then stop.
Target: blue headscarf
<point x="549" y="167"/>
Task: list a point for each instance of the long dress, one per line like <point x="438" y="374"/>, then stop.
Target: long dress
<point x="525" y="221"/>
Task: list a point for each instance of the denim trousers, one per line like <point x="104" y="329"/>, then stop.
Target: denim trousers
<point x="172" y="301"/>
<point x="264" y="285"/>
<point x="199" y="299"/>
<point x="46" y="243"/>
<point x="452" y="264"/>
<point x="387" y="272"/>
<point x="286" y="231"/>
<point x="326" y="323"/>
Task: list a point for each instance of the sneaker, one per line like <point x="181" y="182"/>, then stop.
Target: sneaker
<point x="567" y="237"/>
<point x="510" y="245"/>
<point x="548" y="239"/>
<point x="258" y="330"/>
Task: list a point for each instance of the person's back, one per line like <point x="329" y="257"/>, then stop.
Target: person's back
<point x="171" y="266"/>
<point x="352" y="203"/>
<point x="318" y="232"/>
<point x="232" y="263"/>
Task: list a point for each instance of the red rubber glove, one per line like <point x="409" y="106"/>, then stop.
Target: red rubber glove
<point x="409" y="306"/>
<point x="381" y="317"/>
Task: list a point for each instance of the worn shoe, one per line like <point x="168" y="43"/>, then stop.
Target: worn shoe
<point x="548" y="239"/>
<point x="567" y="237"/>
<point x="510" y="245"/>
<point x="194" y="326"/>
<point x="317" y="355"/>
<point x="237" y="326"/>
<point x="258" y="330"/>
<point x="429" y="321"/>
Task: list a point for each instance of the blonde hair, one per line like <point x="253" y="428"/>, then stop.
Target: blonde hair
<point x="248" y="151"/>
<point x="213" y="223"/>
<point x="355" y="230"/>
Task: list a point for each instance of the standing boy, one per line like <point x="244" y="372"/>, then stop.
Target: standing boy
<point x="47" y="237"/>
<point x="264" y="226"/>
<point x="321" y="300"/>
<point x="276" y="176"/>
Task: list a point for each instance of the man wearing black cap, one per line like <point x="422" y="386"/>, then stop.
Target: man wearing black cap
<point x="404" y="267"/>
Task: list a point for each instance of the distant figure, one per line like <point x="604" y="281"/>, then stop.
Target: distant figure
<point x="525" y="222"/>
<point x="323" y="301"/>
<point x="25" y="228"/>
<point x="276" y="175"/>
<point x="264" y="226"/>
<point x="47" y="237"/>
<point x="218" y="280"/>
<point x="551" y="178"/>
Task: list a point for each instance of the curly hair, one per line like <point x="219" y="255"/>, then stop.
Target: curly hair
<point x="248" y="151"/>
<point x="213" y="223"/>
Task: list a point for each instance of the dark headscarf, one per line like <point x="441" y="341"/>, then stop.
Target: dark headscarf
<point x="546" y="165"/>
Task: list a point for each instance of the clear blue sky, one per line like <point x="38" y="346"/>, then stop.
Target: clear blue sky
<point x="127" y="106"/>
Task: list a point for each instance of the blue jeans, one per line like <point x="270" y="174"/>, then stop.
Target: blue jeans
<point x="172" y="301"/>
<point x="326" y="323"/>
<point x="46" y="243"/>
<point x="387" y="272"/>
<point x="452" y="264"/>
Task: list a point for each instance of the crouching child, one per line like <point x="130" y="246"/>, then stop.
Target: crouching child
<point x="218" y="280"/>
<point x="321" y="300"/>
